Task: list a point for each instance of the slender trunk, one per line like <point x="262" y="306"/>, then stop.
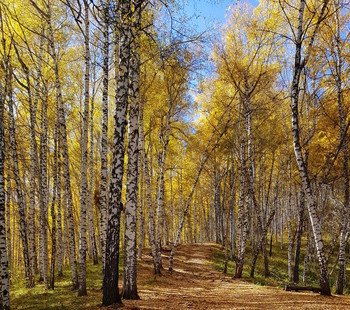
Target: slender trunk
<point x="132" y="188"/>
<point x="141" y="198"/>
<point x="232" y="206"/>
<point x="172" y="211"/>
<point x="262" y="242"/>
<point x="110" y="279"/>
<point x="298" y="237"/>
<point x="59" y="201"/>
<point x="8" y="211"/>
<point x="5" y="297"/>
<point x="64" y="142"/>
<point x="16" y="176"/>
<point x="195" y="217"/>
<point x="34" y="165"/>
<point x="201" y="219"/>
<point x="289" y="220"/>
<point x="104" y="136"/>
<point x="91" y="229"/>
<point x="150" y="208"/>
<point x="160" y="208"/>
<point x="84" y="159"/>
<point x="43" y="197"/>
<point x="312" y="207"/>
<point x="53" y="214"/>
<point x="307" y="250"/>
<point x="242" y="217"/>
<point x="345" y="151"/>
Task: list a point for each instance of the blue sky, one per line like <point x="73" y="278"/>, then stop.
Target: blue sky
<point x="207" y="13"/>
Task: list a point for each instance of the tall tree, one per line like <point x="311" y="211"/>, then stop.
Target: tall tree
<point x="132" y="189"/>
<point x="104" y="135"/>
<point x="64" y="143"/>
<point x="84" y="157"/>
<point x="299" y="64"/>
<point x="5" y="297"/>
<point x="115" y="206"/>
<point x="90" y="218"/>
<point x="338" y="75"/>
<point x="16" y="175"/>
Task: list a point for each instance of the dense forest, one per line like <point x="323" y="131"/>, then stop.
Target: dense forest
<point x="126" y="132"/>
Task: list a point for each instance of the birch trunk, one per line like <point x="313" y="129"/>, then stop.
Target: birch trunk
<point x="150" y="208"/>
<point x="8" y="210"/>
<point x="160" y="208"/>
<point x="217" y="193"/>
<point x="104" y="137"/>
<point x="110" y="279"/>
<point x="53" y="214"/>
<point x="195" y="218"/>
<point x="141" y="200"/>
<point x="298" y="237"/>
<point x="84" y="158"/>
<point x="132" y="188"/>
<point x="240" y="238"/>
<point x="59" y="202"/>
<point x="43" y="196"/>
<point x="5" y="297"/>
<point x="16" y="176"/>
<point x="312" y="207"/>
<point x="289" y="220"/>
<point x="34" y="165"/>
<point x="172" y="211"/>
<point x="66" y="172"/>
<point x="345" y="151"/>
<point x="90" y="204"/>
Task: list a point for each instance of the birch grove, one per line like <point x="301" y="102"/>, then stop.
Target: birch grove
<point x="236" y="137"/>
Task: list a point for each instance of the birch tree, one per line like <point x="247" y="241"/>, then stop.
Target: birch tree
<point x="64" y="143"/>
<point x="104" y="136"/>
<point x="5" y="297"/>
<point x="115" y="206"/>
<point x="300" y="62"/>
<point x="132" y="189"/>
<point x="84" y="157"/>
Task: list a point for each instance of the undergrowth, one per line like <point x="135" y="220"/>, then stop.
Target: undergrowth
<point x="278" y="266"/>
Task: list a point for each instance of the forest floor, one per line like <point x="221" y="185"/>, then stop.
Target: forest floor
<point x="194" y="284"/>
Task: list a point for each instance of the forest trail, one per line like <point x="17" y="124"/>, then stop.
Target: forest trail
<point x="195" y="284"/>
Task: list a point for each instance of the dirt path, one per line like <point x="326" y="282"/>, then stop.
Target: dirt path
<point x="195" y="284"/>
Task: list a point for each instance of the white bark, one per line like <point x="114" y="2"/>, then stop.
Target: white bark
<point x="5" y="297"/>
<point x="64" y="142"/>
<point x="110" y="279"/>
<point x="312" y="207"/>
<point x="104" y="136"/>
<point x="84" y="158"/>
<point x="132" y="188"/>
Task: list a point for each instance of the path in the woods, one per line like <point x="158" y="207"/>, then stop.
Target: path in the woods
<point x="195" y="284"/>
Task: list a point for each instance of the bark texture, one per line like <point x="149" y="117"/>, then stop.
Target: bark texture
<point x="84" y="158"/>
<point x="132" y="188"/>
<point x="299" y="64"/>
<point x="110" y="279"/>
<point x="5" y="297"/>
<point x="104" y="146"/>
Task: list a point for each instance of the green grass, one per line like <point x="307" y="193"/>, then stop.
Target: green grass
<point x="278" y="266"/>
<point x="62" y="297"/>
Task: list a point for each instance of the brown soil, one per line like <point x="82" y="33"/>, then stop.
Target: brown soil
<point x="195" y="284"/>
